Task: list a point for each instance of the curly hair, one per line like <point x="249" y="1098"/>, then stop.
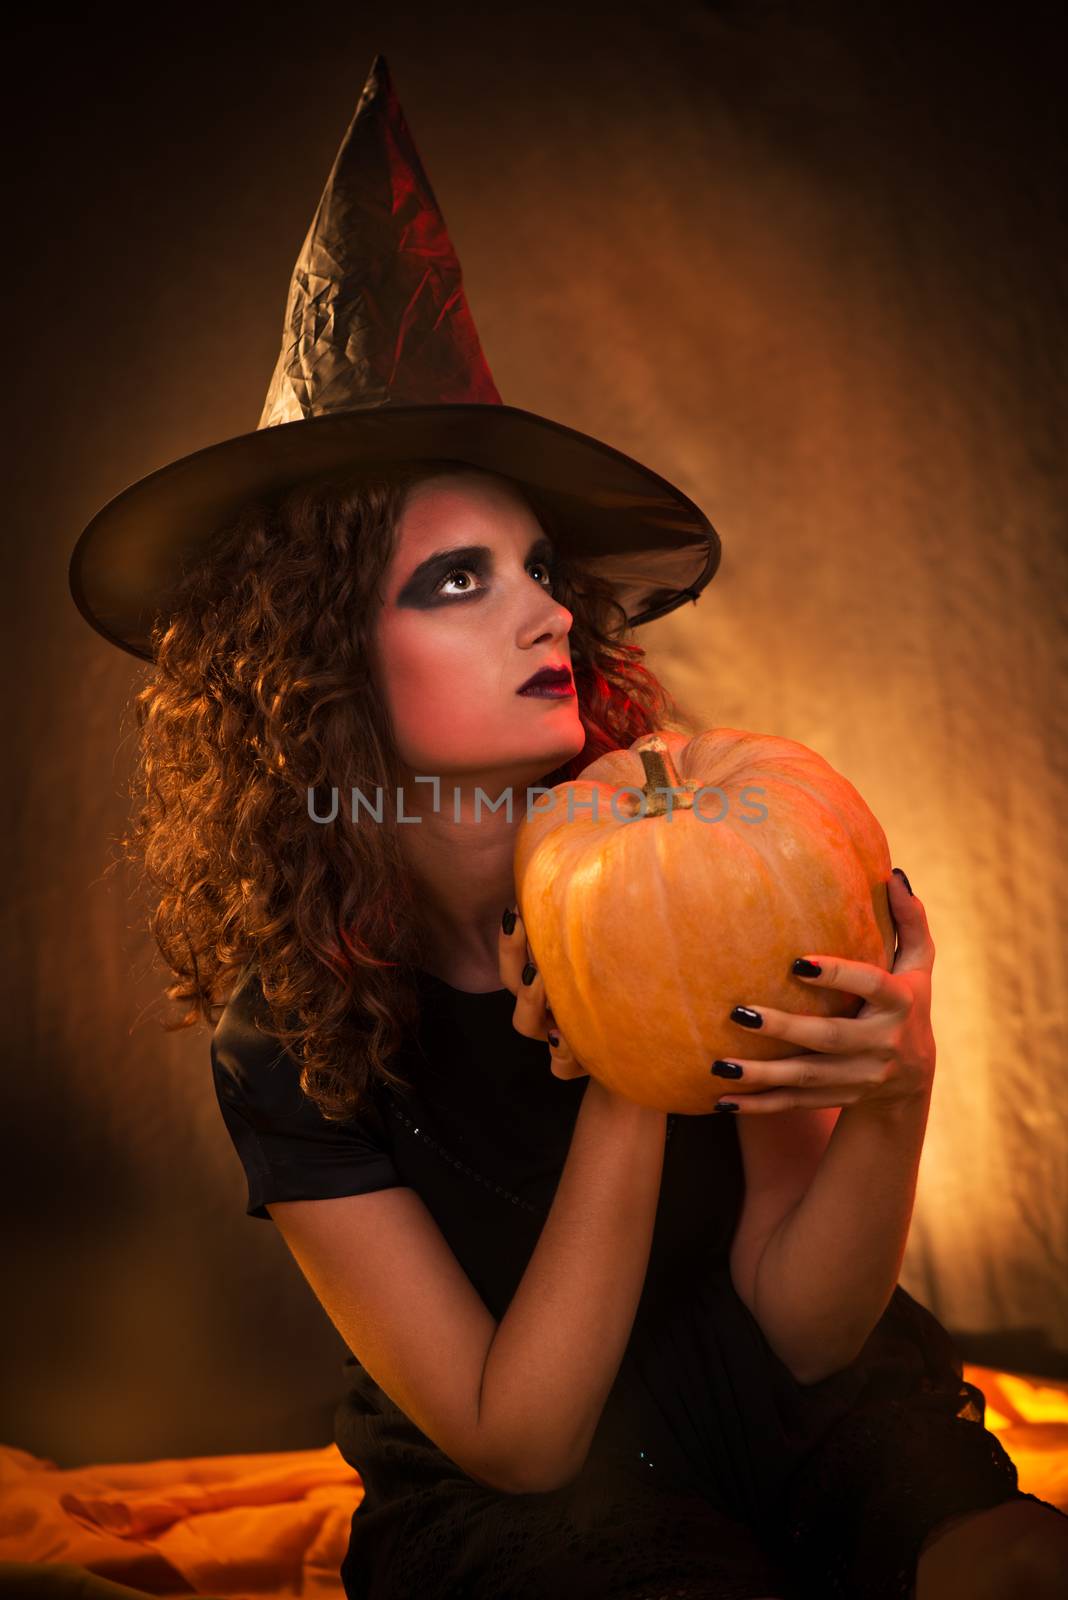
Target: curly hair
<point x="260" y="691"/>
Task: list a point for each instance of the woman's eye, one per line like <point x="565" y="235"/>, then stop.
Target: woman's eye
<point x="548" y="568"/>
<point x="458" y="572"/>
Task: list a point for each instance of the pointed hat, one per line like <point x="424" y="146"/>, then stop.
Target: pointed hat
<point x="381" y="363"/>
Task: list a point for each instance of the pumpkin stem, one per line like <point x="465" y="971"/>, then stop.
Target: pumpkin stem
<point x="660" y="773"/>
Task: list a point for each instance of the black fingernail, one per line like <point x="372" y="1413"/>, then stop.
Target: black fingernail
<point x="906" y="882"/>
<point x="530" y="972"/>
<point x="554" y="1040"/>
<point x="747" y="1017"/>
<point x="726" y="1069"/>
<point x="725" y="1105"/>
<point x="508" y="920"/>
<point x="807" y="969"/>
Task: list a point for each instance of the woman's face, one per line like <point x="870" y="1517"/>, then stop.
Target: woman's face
<point x="460" y="629"/>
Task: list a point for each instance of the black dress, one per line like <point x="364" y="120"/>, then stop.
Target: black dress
<point x="712" y="1473"/>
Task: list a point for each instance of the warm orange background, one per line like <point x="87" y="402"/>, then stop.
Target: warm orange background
<point x="810" y="268"/>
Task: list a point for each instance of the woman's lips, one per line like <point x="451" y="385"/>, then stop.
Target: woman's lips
<point x="549" y="691"/>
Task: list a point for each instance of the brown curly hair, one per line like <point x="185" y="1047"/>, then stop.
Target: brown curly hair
<point x="260" y="692"/>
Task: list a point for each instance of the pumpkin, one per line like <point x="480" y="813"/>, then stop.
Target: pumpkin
<point x="651" y="914"/>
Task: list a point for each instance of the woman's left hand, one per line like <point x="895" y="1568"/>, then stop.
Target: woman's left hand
<point x="881" y="1057"/>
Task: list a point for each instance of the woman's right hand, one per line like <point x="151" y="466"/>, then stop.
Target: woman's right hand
<point x="532" y="1016"/>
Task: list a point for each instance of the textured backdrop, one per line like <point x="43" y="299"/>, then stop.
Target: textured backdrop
<point x="806" y="263"/>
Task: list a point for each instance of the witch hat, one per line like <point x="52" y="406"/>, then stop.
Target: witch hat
<point x="381" y="363"/>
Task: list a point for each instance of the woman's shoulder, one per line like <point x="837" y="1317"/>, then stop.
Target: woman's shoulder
<point x="241" y="1047"/>
<point x="246" y="1000"/>
<point x="258" y="1076"/>
<point x="289" y="1149"/>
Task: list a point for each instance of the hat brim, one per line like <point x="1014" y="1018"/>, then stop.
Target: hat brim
<point x="624" y="522"/>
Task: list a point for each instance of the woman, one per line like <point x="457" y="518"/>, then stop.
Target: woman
<point x="557" y="1383"/>
<point x="542" y="1398"/>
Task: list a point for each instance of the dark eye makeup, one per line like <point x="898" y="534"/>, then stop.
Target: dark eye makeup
<point x="423" y="587"/>
<point x="479" y="568"/>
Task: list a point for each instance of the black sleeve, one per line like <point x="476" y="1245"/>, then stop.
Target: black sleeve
<point x="287" y="1147"/>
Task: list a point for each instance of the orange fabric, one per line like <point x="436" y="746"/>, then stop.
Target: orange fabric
<point x="241" y="1526"/>
<point x="252" y="1527"/>
<point x="1030" y="1417"/>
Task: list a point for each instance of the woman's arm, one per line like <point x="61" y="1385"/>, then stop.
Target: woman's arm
<point x="558" y="1348"/>
<point x="830" y="1267"/>
<point x="514" y="1404"/>
<point x="830" y="1264"/>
